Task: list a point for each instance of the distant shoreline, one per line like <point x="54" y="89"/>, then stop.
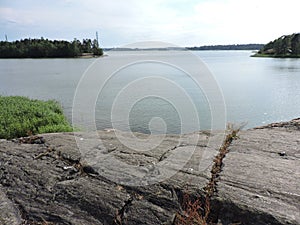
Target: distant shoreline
<point x="250" y="47"/>
<point x="88" y="56"/>
<point x="259" y="55"/>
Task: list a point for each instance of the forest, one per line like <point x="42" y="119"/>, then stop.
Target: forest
<point x="285" y="46"/>
<point x="44" y="48"/>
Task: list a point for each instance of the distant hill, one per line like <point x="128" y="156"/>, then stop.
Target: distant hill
<point x="287" y="46"/>
<point x="206" y="47"/>
<point x="228" y="47"/>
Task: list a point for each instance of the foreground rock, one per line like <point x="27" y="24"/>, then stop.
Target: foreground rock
<point x="51" y="181"/>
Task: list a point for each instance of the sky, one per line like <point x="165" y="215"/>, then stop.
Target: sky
<point x="121" y="22"/>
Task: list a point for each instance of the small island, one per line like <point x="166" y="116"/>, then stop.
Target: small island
<point x="44" y="48"/>
<point x="287" y="46"/>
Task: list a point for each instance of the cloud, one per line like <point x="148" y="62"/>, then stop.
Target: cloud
<point x="182" y="22"/>
<point x="21" y="17"/>
<point x="249" y="20"/>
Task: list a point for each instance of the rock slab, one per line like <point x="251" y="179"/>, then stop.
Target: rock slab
<point x="50" y="180"/>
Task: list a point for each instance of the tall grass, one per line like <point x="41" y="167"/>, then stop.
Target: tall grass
<point x="21" y="116"/>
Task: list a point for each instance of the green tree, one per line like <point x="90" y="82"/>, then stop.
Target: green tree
<point x="41" y="48"/>
<point x="86" y="46"/>
<point x="95" y="48"/>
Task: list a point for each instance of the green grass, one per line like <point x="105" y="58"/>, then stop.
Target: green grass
<point x="21" y="116"/>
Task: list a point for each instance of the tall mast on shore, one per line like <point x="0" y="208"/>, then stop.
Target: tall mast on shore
<point x="97" y="39"/>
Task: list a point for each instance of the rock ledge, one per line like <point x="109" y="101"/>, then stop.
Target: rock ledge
<point x="47" y="180"/>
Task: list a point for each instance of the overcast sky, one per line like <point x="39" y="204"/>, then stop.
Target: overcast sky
<point x="181" y="22"/>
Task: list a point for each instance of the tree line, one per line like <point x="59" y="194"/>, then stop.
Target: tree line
<point x="228" y="47"/>
<point x="44" y="48"/>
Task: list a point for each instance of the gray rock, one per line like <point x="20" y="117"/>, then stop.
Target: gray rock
<point x="257" y="178"/>
<point x="9" y="214"/>
<point x="53" y="181"/>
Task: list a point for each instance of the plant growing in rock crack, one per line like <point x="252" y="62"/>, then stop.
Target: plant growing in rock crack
<point x="196" y="210"/>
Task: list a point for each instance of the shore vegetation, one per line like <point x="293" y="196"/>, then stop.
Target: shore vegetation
<point x="21" y="116"/>
<point x="286" y="46"/>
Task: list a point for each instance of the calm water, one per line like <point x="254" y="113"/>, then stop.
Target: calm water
<point x="256" y="90"/>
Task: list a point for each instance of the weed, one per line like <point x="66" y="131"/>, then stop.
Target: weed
<point x="197" y="211"/>
<point x="21" y="116"/>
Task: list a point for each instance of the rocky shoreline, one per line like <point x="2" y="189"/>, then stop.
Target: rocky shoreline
<point x="44" y="180"/>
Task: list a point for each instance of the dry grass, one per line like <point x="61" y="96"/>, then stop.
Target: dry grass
<point x="197" y="211"/>
<point x="192" y="211"/>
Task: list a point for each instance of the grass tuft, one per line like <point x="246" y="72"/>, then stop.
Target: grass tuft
<point x="21" y="116"/>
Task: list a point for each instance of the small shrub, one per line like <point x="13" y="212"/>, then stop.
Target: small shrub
<point x="21" y="116"/>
